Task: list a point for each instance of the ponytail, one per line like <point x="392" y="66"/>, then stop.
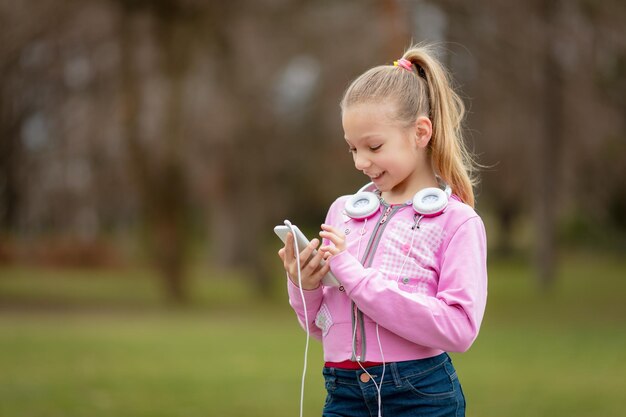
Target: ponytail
<point x="451" y="160"/>
<point x="433" y="96"/>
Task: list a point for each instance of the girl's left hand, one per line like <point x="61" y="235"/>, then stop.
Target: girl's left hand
<point x="336" y="237"/>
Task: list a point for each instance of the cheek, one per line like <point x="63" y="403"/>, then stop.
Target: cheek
<point x="407" y="162"/>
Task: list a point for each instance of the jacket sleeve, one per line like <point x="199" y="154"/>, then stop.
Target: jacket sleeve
<point x="313" y="300"/>
<point x="450" y="320"/>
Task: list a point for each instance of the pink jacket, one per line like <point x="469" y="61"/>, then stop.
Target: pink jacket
<point x="430" y="301"/>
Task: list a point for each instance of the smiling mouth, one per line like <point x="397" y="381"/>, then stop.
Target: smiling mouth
<point x="375" y="177"/>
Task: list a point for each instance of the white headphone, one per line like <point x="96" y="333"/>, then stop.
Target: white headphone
<point x="428" y="202"/>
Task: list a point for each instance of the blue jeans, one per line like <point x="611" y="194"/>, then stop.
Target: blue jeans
<point x="425" y="387"/>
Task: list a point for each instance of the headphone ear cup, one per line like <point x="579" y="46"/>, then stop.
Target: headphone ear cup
<point x="430" y="201"/>
<point x="362" y="205"/>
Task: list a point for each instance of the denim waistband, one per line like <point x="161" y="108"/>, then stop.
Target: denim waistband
<point x="394" y="371"/>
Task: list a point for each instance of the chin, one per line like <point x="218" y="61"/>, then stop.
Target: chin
<point x="382" y="188"/>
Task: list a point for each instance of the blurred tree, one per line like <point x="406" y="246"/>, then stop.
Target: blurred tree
<point x="277" y="78"/>
<point x="542" y="120"/>
<point x="160" y="172"/>
<point x="549" y="142"/>
<point x="11" y="118"/>
<point x="229" y="114"/>
<point x="15" y="107"/>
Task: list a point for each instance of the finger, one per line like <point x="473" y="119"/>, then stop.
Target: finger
<point x="320" y="273"/>
<point x="281" y="254"/>
<point x="332" y="229"/>
<point x="290" y="265"/>
<point x="307" y="251"/>
<point x="314" y="262"/>
<point x="333" y="237"/>
<point x="332" y="250"/>
<point x="289" y="253"/>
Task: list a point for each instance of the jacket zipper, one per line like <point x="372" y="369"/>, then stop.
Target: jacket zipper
<point x="369" y="250"/>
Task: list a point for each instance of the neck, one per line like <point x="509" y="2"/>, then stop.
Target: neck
<point x="405" y="191"/>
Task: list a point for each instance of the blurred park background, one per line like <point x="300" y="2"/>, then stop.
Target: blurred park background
<point x="148" y="147"/>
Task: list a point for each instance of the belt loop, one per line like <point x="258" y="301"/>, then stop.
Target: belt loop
<point x="331" y="380"/>
<point x="396" y="374"/>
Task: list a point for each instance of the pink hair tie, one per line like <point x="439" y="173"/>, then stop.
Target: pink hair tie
<point x="404" y="63"/>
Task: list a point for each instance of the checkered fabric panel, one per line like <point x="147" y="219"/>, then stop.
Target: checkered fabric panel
<point x="419" y="271"/>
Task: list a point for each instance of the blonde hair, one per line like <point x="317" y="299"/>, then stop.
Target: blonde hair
<point x="426" y="90"/>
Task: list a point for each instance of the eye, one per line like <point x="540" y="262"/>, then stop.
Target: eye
<point x="352" y="150"/>
<point x="375" y="148"/>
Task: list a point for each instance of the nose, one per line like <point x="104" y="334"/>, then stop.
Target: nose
<point x="361" y="162"/>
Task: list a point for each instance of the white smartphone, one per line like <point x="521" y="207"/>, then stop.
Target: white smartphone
<point x="282" y="230"/>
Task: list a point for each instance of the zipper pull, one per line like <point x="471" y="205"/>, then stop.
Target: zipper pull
<point x="417" y="218"/>
<point x="385" y="215"/>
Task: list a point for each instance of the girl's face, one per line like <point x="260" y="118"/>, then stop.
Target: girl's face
<point x="391" y="154"/>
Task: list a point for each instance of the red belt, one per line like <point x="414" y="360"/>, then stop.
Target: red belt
<point x="351" y="365"/>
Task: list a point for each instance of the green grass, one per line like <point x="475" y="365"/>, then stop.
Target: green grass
<point x="133" y="288"/>
<point x="561" y="354"/>
<point x="152" y="365"/>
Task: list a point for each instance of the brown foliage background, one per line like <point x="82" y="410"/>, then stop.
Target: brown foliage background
<point x="205" y="123"/>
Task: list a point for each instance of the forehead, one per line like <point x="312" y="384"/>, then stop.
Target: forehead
<point x="363" y="118"/>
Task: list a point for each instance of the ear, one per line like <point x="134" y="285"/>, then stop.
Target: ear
<point x="423" y="131"/>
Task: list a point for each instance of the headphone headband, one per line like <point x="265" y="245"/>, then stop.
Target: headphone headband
<point x="371" y="187"/>
<point x="428" y="202"/>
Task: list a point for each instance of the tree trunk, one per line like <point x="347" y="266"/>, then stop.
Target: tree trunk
<point x="548" y="149"/>
<point x="160" y="180"/>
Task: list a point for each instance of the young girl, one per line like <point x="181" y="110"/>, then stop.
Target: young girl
<point x="408" y="250"/>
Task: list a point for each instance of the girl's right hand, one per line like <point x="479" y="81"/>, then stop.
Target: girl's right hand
<point x="311" y="270"/>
